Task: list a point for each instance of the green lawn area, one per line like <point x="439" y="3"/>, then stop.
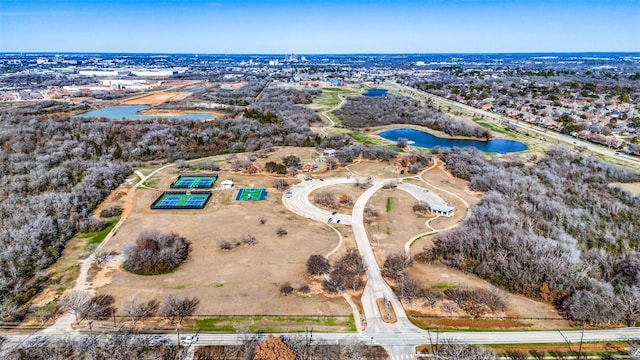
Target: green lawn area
<point x="335" y="89"/>
<point x="93" y="239"/>
<point x="325" y="101"/>
<point x="329" y="98"/>
<point x="492" y="126"/>
<point x="256" y="324"/>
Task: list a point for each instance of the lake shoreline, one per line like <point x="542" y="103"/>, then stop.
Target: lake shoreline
<point x="425" y="139"/>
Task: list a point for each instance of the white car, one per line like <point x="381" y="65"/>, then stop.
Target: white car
<point x="189" y="339"/>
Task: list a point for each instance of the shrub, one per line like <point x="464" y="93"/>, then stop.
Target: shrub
<point x="280" y="184"/>
<point x="317" y="265"/>
<point x="421" y="207"/>
<point x="326" y="199"/>
<point x="209" y="165"/>
<point x="111" y="211"/>
<point x="156" y="253"/>
<point x="249" y="239"/>
<point x="286" y="289"/>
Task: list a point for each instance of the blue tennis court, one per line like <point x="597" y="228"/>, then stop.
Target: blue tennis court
<point x="191" y="181"/>
<point x="181" y="200"/>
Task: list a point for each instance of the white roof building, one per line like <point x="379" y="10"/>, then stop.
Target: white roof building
<point x="227" y="184"/>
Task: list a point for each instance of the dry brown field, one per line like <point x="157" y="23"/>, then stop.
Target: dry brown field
<point x="246" y="279"/>
<point x="241" y="281"/>
<point x="633" y="188"/>
<point x="155" y="98"/>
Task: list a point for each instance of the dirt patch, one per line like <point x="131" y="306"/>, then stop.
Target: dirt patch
<point x="350" y="190"/>
<point x="633" y="188"/>
<point x="375" y="169"/>
<point x="389" y="316"/>
<point x="242" y="281"/>
<point x="521" y="312"/>
<point x="392" y="229"/>
<point x="156" y="98"/>
<point x="233" y="86"/>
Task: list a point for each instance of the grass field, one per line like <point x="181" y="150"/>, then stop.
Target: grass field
<point x="257" y="324"/>
<point x="95" y="238"/>
<point x="493" y="127"/>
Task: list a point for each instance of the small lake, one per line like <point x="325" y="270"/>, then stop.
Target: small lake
<point x="130" y="112"/>
<point x="426" y="140"/>
<point x="375" y="92"/>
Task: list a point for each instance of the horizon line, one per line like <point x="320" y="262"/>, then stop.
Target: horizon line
<point x="324" y="54"/>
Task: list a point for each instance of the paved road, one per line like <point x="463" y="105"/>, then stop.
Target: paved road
<point x="568" y="140"/>
<point x="400" y="338"/>
<point x="377" y="330"/>
<point x="297" y="201"/>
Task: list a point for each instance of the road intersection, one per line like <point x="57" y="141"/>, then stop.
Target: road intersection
<point x="401" y="338"/>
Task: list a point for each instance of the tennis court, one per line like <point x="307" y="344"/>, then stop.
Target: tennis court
<point x="195" y="181"/>
<point x="181" y="200"/>
<point x="248" y="194"/>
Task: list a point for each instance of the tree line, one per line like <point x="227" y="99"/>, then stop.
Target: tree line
<point x="362" y="111"/>
<point x="54" y="170"/>
<point x="552" y="229"/>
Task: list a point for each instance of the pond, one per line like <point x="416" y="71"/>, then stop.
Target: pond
<point x="130" y="112"/>
<point x="375" y="92"/>
<point x="426" y="140"/>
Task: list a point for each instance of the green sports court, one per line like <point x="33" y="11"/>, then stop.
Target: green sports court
<point x="172" y="200"/>
<point x="248" y="194"/>
<point x="195" y="181"/>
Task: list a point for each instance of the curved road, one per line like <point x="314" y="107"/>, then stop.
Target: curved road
<point x="401" y="338"/>
<point x="377" y="331"/>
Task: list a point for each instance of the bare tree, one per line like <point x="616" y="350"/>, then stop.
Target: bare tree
<point x="175" y="309"/>
<point x="286" y="289"/>
<point x="326" y="199"/>
<point x="76" y="302"/>
<point x="156" y="253"/>
<point x="395" y="264"/>
<point x="99" y="307"/>
<point x="346" y="200"/>
<point x="138" y="310"/>
<point x="280" y="184"/>
<point x="331" y="163"/>
<point x="317" y="265"/>
<point x="101" y="257"/>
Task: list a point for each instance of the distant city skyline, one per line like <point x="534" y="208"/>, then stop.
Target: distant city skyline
<point x="319" y="27"/>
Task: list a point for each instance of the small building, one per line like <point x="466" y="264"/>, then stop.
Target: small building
<point x="329" y="153"/>
<point x="438" y="209"/>
<point x="309" y="167"/>
<point x="227" y="184"/>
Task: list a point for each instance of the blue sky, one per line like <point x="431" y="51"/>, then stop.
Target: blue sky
<point x="319" y="26"/>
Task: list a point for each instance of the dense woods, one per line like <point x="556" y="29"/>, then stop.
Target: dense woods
<point x="54" y="170"/>
<point x="362" y="111"/>
<point x="554" y="230"/>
